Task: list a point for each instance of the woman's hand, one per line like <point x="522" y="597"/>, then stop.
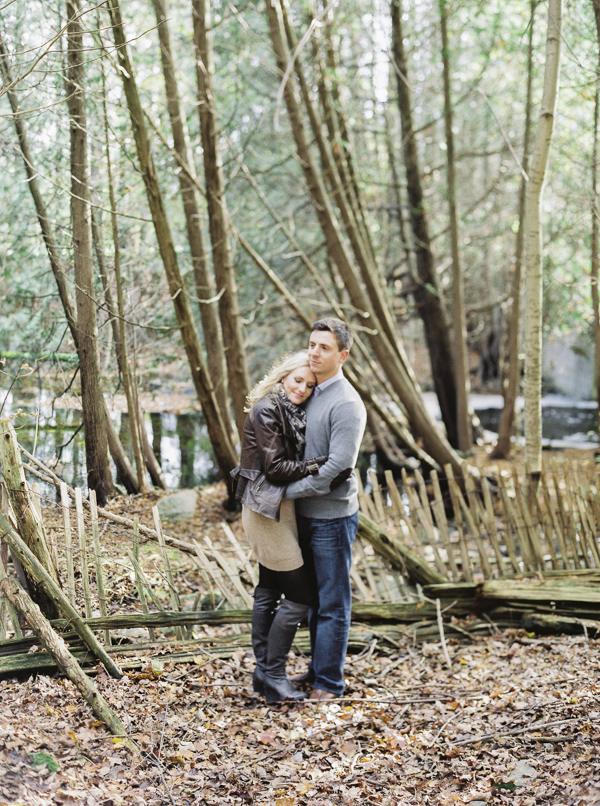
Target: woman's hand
<point x="313" y="465"/>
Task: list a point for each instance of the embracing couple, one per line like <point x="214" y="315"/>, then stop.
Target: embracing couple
<point x="300" y="510"/>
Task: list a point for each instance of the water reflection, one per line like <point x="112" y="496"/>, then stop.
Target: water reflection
<point x="564" y="420"/>
<point x="156" y="423"/>
<point x="180" y="443"/>
<point x="183" y="450"/>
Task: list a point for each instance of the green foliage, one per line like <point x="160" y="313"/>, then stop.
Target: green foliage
<point x="42" y="759"/>
<point x="488" y="53"/>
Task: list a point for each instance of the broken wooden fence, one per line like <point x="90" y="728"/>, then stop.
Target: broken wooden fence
<point x="496" y="529"/>
<point x="435" y="532"/>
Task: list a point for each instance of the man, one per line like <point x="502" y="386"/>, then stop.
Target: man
<point x="327" y="503"/>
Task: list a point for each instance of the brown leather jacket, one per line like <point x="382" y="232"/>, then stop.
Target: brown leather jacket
<point x="269" y="459"/>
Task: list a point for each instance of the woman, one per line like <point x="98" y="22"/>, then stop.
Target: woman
<point x="272" y="450"/>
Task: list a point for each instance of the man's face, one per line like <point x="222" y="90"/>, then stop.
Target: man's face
<point x="324" y="355"/>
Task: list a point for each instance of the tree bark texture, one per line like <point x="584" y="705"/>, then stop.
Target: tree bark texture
<point x="464" y="429"/>
<point x="533" y="244"/>
<point x="219" y="435"/>
<point x="427" y="295"/>
<point x="94" y="419"/>
<point x="231" y="322"/>
<point x="513" y="371"/>
<point x="204" y="281"/>
<point x="26" y="515"/>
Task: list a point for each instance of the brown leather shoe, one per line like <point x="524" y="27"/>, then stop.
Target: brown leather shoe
<point x="321" y="695"/>
<point x="303" y="677"/>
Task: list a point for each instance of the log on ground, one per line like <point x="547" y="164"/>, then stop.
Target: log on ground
<point x="69" y="666"/>
<point x="400" y="557"/>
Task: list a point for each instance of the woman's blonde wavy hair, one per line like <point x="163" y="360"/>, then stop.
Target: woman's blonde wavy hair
<point x="274" y="376"/>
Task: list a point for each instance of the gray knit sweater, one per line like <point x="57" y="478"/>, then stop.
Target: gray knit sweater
<point x="335" y="423"/>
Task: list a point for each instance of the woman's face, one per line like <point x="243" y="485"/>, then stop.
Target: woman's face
<point x="299" y="384"/>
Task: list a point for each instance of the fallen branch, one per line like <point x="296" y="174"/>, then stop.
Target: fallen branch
<point x="421" y="615"/>
<point x="35" y="569"/>
<point x="55" y="645"/>
<point x="50" y="477"/>
<point x="551" y="591"/>
<point x="487" y="737"/>
<point x="401" y="558"/>
<point x="561" y="625"/>
<point x="442" y="636"/>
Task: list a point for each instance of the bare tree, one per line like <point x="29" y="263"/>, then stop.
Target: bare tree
<point x="463" y="419"/>
<point x="94" y="417"/>
<point x="383" y="341"/>
<point x="533" y="246"/>
<point x="239" y="381"/>
<point x="513" y="363"/>
<point x="59" y="270"/>
<point x="427" y="293"/>
<point x="188" y="186"/>
<point x="219" y="434"/>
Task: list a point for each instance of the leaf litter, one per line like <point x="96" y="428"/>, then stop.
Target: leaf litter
<point x="514" y="720"/>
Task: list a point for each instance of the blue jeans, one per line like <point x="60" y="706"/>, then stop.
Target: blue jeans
<point x="327" y="549"/>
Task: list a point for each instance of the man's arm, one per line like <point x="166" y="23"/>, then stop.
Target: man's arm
<point x="347" y="428"/>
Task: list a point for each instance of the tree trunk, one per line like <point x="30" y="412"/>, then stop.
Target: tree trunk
<point x="205" y="285"/>
<point x="231" y="324"/>
<point x="513" y="371"/>
<point x="338" y="176"/>
<point x="118" y="315"/>
<point x="30" y="525"/>
<point x="463" y="419"/>
<point x="396" y="188"/>
<point x="337" y="125"/>
<point x="124" y="469"/>
<point x="427" y="294"/>
<point x="219" y="435"/>
<point x="395" y="367"/>
<point x="94" y="417"/>
<point x="533" y="246"/>
<point x="138" y="484"/>
<point x="595" y="257"/>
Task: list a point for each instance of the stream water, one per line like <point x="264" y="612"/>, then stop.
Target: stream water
<point x="180" y="441"/>
<point x="566" y="421"/>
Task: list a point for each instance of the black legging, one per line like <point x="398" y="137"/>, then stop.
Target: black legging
<point x="296" y="585"/>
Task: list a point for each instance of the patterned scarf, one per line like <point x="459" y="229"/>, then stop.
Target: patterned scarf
<point x="296" y="417"/>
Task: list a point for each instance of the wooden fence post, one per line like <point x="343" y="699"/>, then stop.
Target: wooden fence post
<point x="29" y="523"/>
<point x="37" y="571"/>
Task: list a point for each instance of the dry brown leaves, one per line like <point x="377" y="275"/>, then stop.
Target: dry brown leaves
<point x="515" y="720"/>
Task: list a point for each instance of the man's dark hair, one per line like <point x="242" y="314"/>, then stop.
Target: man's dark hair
<point x="340" y="330"/>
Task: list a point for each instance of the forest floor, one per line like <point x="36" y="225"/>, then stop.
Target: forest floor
<point x="515" y="719"/>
